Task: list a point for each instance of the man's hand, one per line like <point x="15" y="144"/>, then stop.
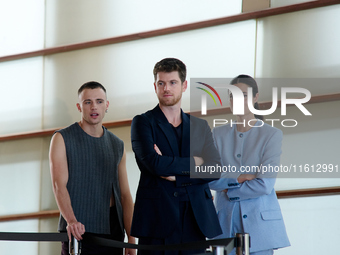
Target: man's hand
<point x="245" y="177"/>
<point x="168" y="178"/>
<point x="129" y="251"/>
<point x="198" y="161"/>
<point x="75" y="229"/>
<point x="157" y="150"/>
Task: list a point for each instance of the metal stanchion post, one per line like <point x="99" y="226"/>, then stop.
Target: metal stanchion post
<point x="218" y="250"/>
<point x="74" y="246"/>
<point x="242" y="244"/>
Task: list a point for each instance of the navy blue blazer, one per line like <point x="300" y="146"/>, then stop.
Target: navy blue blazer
<point x="156" y="211"/>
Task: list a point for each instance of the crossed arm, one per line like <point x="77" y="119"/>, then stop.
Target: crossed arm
<point x="159" y="163"/>
<point x="254" y="185"/>
<point x="198" y="161"/>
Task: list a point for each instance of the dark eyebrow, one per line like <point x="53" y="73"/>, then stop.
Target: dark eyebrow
<point x="97" y="99"/>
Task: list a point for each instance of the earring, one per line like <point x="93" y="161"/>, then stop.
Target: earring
<point x="106" y="110"/>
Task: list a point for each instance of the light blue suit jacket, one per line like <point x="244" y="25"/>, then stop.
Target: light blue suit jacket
<point x="248" y="152"/>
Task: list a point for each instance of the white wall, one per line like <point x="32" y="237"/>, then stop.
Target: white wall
<point x="299" y="45"/>
<point x="21" y="90"/>
<point x="311" y="226"/>
<point x="22" y="26"/>
<point x="125" y="69"/>
<point x="79" y="20"/>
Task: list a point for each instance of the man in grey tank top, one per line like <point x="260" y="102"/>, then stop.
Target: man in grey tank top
<point x="88" y="170"/>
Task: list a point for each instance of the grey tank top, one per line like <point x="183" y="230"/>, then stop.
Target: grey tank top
<point x="93" y="177"/>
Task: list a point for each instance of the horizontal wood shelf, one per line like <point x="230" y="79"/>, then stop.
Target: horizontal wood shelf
<point x="50" y="132"/>
<point x="29" y="216"/>
<point x="127" y="122"/>
<point x="175" y="29"/>
<point x="283" y="194"/>
<point x="308" y="192"/>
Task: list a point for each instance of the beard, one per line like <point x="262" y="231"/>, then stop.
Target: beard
<point x="170" y="101"/>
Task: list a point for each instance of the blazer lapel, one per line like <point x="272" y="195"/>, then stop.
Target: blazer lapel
<point x="185" y="135"/>
<point x="167" y="129"/>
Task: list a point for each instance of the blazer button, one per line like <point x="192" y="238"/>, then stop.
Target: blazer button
<point x="245" y="216"/>
<point x="241" y="135"/>
<point x="238" y="155"/>
<point x="234" y="198"/>
<point x="176" y="194"/>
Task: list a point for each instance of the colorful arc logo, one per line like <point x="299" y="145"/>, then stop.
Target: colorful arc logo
<point x="207" y="91"/>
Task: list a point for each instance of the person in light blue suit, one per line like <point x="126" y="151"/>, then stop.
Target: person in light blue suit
<point x="245" y="197"/>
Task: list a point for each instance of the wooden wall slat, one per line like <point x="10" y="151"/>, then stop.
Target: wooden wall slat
<point x="283" y="194"/>
<point x="327" y="191"/>
<point x="28" y="216"/>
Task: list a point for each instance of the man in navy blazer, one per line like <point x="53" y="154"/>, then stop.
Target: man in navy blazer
<point x="171" y="207"/>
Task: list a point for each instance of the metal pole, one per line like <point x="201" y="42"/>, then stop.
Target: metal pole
<point x="243" y="244"/>
<point x="74" y="246"/>
<point x="218" y="250"/>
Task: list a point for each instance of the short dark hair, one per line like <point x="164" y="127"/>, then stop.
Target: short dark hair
<point x="169" y="65"/>
<point x="250" y="82"/>
<point x="91" y="85"/>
